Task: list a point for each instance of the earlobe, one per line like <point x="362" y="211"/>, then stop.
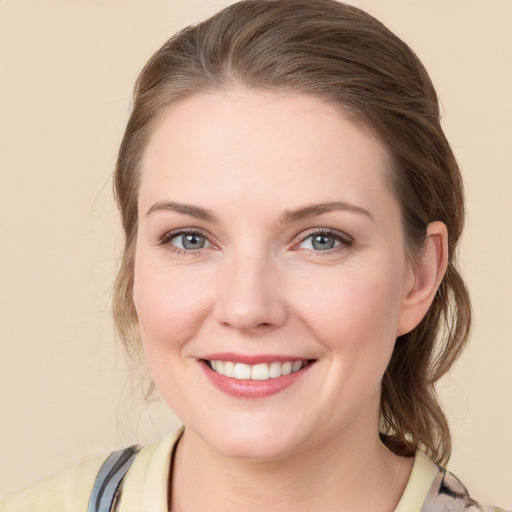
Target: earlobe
<point x="427" y="273"/>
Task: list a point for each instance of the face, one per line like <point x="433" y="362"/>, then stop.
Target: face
<point x="270" y="273"/>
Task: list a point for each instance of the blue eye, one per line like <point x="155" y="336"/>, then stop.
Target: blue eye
<point x="189" y="241"/>
<point x="324" y="241"/>
<point x="319" y="242"/>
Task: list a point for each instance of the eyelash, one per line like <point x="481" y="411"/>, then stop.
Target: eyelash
<point x="166" y="239"/>
<point x="345" y="241"/>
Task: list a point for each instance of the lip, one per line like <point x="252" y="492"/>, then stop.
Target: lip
<point x="251" y="359"/>
<point x="252" y="388"/>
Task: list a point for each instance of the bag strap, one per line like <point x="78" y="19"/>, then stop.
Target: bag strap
<point x="109" y="479"/>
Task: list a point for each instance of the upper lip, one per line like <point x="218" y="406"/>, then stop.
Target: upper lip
<point x="252" y="359"/>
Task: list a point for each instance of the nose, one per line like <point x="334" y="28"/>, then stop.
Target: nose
<point x="249" y="298"/>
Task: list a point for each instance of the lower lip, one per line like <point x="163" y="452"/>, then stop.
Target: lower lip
<point x="241" y="388"/>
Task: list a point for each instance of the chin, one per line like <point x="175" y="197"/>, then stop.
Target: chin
<point x="254" y="441"/>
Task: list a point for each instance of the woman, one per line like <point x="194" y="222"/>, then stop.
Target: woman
<point x="292" y="211"/>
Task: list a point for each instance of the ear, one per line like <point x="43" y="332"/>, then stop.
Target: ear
<point x="426" y="274"/>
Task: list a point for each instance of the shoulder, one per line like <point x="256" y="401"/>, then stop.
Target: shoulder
<point x="71" y="490"/>
<point x="67" y="491"/>
<point x="432" y="488"/>
<point x="449" y="494"/>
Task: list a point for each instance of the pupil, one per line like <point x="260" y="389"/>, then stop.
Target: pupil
<point x="193" y="242"/>
<point x="322" y="243"/>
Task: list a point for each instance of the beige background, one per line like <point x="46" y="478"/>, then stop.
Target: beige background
<point x="66" y="69"/>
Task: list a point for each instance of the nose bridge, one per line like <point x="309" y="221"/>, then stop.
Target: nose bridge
<point x="249" y="296"/>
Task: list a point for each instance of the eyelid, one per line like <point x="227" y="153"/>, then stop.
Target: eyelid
<point x="165" y="240"/>
<point x="344" y="239"/>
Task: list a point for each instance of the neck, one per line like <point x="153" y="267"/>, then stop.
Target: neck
<point x="338" y="475"/>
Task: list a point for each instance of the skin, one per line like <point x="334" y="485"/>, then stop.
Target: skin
<point x="258" y="286"/>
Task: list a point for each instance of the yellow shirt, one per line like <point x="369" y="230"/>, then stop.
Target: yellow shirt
<point x="145" y="485"/>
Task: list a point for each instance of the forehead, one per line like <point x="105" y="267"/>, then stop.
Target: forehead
<point x="250" y="146"/>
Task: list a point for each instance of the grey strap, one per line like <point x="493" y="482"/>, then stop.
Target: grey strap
<point x="109" y="478"/>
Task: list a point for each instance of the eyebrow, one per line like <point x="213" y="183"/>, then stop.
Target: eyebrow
<point x="288" y="216"/>
<point x="313" y="210"/>
<point x="187" y="209"/>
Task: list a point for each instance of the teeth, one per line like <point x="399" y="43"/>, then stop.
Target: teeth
<point x="287" y="368"/>
<point x="262" y="371"/>
<point x="242" y="371"/>
<point x="275" y="370"/>
<point x="229" y="369"/>
<point x="297" y="365"/>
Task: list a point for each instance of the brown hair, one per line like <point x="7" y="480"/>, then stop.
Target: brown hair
<point x="346" y="57"/>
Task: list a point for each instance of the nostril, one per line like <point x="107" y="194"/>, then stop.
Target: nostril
<point x="246" y="309"/>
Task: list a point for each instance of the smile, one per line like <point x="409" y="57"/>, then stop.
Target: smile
<point x="261" y="371"/>
<point x="254" y="376"/>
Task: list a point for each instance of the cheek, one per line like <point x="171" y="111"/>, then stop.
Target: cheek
<point x="352" y="308"/>
<point x="170" y="305"/>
